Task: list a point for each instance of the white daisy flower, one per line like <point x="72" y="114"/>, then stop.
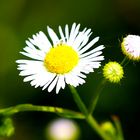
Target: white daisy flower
<point x="131" y="47"/>
<point x="61" y="60"/>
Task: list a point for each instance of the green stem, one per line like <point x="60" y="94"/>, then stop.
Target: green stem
<point x="29" y="107"/>
<point x="78" y="100"/>
<point x="124" y="60"/>
<point x="88" y="117"/>
<point x="95" y="97"/>
<point x="93" y="123"/>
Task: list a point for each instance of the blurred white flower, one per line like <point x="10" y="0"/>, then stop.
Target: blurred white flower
<point x="131" y="47"/>
<point x="62" y="129"/>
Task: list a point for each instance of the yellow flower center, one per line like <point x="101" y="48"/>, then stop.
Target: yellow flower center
<point x="61" y="59"/>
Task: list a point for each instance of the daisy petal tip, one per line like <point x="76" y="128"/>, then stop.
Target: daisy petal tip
<point x="78" y="25"/>
<point x="17" y="61"/>
<point x="26" y="41"/>
<point x="43" y="88"/>
<point x="49" y="90"/>
<point x="20" y="74"/>
<point x="48" y="28"/>
<point x="74" y="24"/>
<point x="22" y="52"/>
<point x="24" y="80"/>
<point x="40" y="32"/>
<point x="57" y="91"/>
<point x="97" y="38"/>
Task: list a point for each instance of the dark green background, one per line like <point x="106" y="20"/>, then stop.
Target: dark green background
<point x="109" y="19"/>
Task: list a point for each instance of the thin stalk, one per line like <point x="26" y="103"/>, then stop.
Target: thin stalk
<point x="78" y="100"/>
<point x="29" y="107"/>
<point x="124" y="60"/>
<point x="96" y="95"/>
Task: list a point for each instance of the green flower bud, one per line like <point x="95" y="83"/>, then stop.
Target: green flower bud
<point x="108" y="128"/>
<point x="113" y="72"/>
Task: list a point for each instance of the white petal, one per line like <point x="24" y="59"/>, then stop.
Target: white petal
<point x="67" y="32"/>
<point x="91" y="55"/>
<point x="60" y="83"/>
<point x="85" y="40"/>
<point x="68" y="78"/>
<point x="93" y="51"/>
<point x="36" y="57"/>
<point x="30" y="67"/>
<point x="89" y="45"/>
<point x="34" y="52"/>
<point x="53" y="36"/>
<point x="73" y="34"/>
<point x="33" y="83"/>
<point x="61" y="34"/>
<point x="53" y="84"/>
<point x="45" y="43"/>
<point x="78" y="40"/>
<point x="82" y="38"/>
<point x="99" y="58"/>
<point x="30" y="44"/>
<point x="22" y="61"/>
<point x="43" y="79"/>
<point x="81" y="75"/>
<point x="45" y="84"/>
<point x="28" y="78"/>
<point x="73" y="79"/>
<point x="41" y="41"/>
<point x="98" y="48"/>
<point x="72" y="29"/>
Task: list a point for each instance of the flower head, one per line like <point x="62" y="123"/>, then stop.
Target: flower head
<point x="113" y="72"/>
<point x="62" y="129"/>
<point x="131" y="47"/>
<point x="60" y="60"/>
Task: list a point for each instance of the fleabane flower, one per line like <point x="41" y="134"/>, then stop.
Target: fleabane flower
<point x="62" y="60"/>
<point x="131" y="47"/>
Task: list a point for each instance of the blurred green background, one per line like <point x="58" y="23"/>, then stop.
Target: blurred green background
<point x="109" y="19"/>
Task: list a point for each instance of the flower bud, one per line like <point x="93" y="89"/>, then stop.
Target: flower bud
<point x="113" y="72"/>
<point x="108" y="128"/>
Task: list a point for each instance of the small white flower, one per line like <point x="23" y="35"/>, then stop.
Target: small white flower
<point x="131" y="47"/>
<point x="61" y="60"/>
<point x="62" y="129"/>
